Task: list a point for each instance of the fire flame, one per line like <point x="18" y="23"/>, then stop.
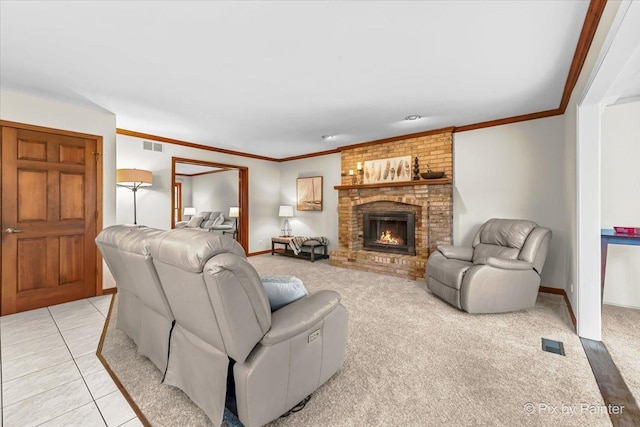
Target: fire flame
<point x="388" y="239"/>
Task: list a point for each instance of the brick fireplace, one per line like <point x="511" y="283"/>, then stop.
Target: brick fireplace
<point x="429" y="201"/>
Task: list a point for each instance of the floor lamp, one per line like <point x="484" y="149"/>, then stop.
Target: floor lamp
<point x="134" y="179"/>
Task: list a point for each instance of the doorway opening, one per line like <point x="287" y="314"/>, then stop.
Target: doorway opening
<point x="182" y="168"/>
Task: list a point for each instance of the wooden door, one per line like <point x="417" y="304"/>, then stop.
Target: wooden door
<point x="49" y="214"/>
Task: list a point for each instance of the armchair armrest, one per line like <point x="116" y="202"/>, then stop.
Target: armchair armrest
<point x="507" y="264"/>
<point x="300" y="315"/>
<point x="462" y="253"/>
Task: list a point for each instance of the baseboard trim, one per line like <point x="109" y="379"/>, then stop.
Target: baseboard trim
<point x="259" y="253"/>
<point x="558" y="291"/>
<point x="110" y="291"/>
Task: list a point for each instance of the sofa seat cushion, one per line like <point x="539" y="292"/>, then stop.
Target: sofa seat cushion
<point x="282" y="290"/>
<point x="449" y="272"/>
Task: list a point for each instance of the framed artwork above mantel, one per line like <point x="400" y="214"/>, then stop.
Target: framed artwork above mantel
<point x="393" y="169"/>
<point x="309" y="193"/>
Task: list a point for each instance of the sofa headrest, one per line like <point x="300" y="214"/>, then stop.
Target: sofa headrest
<point x="511" y="233"/>
<point x="130" y="238"/>
<point x="191" y="250"/>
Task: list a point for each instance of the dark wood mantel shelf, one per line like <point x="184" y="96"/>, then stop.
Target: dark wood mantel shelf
<point x="395" y="184"/>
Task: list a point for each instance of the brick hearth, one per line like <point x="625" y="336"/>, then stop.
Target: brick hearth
<point x="430" y="200"/>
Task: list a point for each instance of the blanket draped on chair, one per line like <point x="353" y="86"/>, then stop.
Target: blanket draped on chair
<point x="298" y="242"/>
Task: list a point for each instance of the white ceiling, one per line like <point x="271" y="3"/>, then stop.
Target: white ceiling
<point x="271" y="78"/>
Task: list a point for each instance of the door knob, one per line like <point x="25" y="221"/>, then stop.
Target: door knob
<point x="12" y="230"/>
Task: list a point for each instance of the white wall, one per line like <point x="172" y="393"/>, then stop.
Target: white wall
<point x="513" y="171"/>
<point x="29" y="109"/>
<point x="154" y="203"/>
<point x="216" y="191"/>
<point x="304" y="223"/>
<point x="620" y="199"/>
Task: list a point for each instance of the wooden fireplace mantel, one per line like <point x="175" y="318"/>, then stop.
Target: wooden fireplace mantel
<point x="395" y="184"/>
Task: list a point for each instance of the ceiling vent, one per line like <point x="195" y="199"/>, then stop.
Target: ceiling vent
<point x="152" y="146"/>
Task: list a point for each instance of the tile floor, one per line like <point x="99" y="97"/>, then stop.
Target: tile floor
<point x="50" y="373"/>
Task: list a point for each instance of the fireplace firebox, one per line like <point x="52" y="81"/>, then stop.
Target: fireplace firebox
<point x="393" y="232"/>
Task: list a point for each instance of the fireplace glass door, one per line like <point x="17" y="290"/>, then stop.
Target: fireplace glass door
<point x="392" y="232"/>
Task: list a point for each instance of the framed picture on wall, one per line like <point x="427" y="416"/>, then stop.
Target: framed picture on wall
<point x="393" y="169"/>
<point x="309" y="193"/>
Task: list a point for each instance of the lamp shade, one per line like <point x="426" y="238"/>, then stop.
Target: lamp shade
<point x="190" y="211"/>
<point x="134" y="177"/>
<point x="286" y="211"/>
<point x="234" y="212"/>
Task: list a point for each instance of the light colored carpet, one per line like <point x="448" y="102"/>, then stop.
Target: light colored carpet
<point x="412" y="360"/>
<point x="621" y="336"/>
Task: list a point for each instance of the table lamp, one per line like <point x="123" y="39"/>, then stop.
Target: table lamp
<point x="286" y="212"/>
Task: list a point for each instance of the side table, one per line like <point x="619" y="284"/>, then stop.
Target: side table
<point x="310" y="244"/>
<point x="280" y="240"/>
<point x="234" y="232"/>
<point x="610" y="237"/>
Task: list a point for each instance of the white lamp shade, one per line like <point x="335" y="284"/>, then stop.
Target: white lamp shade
<point x="190" y="211"/>
<point x="285" y="211"/>
<point x="234" y="212"/>
<point x="134" y="178"/>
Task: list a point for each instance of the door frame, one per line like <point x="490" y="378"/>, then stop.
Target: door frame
<point x="602" y="88"/>
<point x="243" y="194"/>
<point x="99" y="189"/>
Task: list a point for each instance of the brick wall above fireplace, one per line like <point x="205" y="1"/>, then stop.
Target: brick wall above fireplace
<point x="430" y="200"/>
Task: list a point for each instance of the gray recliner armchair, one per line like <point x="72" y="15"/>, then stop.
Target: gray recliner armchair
<point x="223" y="318"/>
<point x="500" y="272"/>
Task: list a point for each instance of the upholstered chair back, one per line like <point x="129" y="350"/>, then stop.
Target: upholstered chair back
<point x="214" y="293"/>
<point x="125" y="251"/>
<point x="136" y="258"/>
<point x="107" y="241"/>
<point x="512" y="239"/>
<point x="143" y="312"/>
<point x="129" y="302"/>
<point x="233" y="282"/>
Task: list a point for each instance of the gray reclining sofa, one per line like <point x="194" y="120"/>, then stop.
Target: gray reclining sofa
<point x="224" y="325"/>
<point x="214" y="222"/>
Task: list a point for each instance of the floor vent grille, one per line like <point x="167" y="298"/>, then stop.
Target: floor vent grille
<point x="553" y="346"/>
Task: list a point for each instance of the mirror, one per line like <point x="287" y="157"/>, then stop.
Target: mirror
<point x="217" y="191"/>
